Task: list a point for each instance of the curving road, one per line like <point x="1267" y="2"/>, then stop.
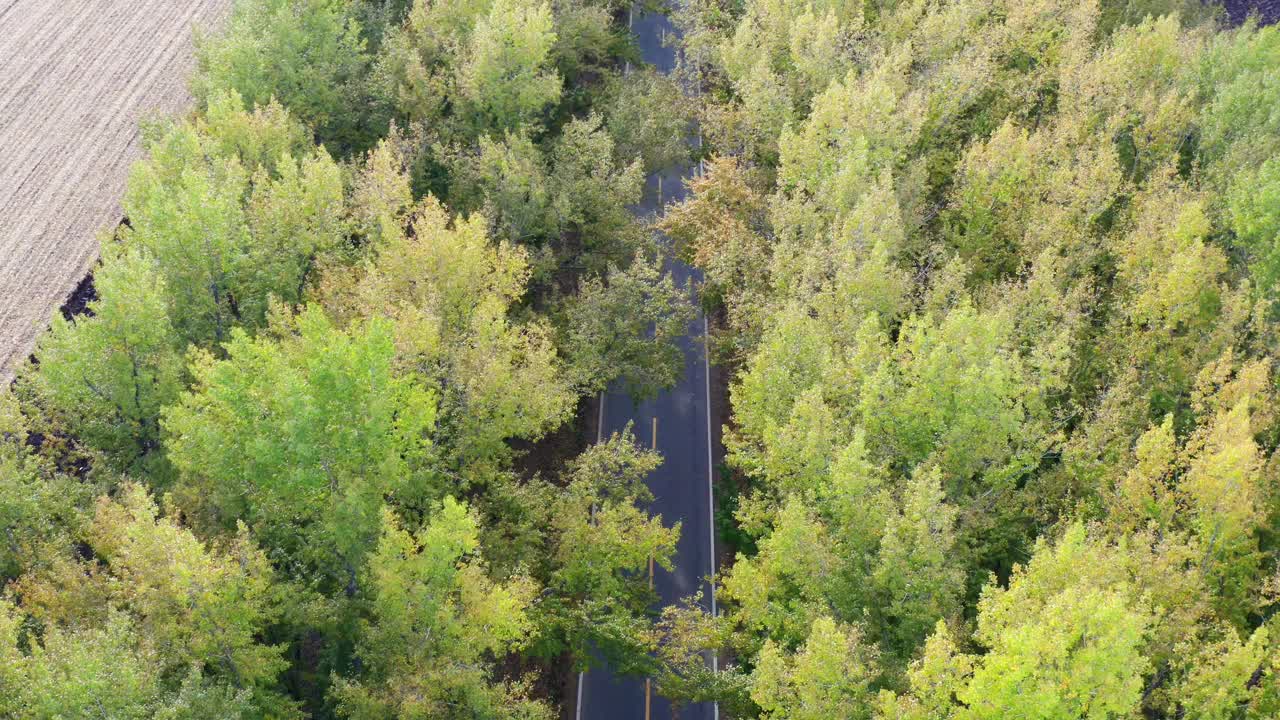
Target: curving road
<point x="682" y="484"/>
<point x="75" y="80"/>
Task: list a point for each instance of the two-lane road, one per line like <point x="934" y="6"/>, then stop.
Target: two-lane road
<point x="678" y="424"/>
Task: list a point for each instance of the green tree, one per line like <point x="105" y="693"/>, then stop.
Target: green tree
<point x="199" y="698"/>
<point x="687" y="632"/>
<point x="507" y="75"/>
<point x="189" y="608"/>
<point x="107" y="373"/>
<point x="507" y="179"/>
<point x="1221" y="494"/>
<point x="1059" y="645"/>
<point x="382" y="196"/>
<point x="649" y="117"/>
<point x="790" y="366"/>
<point x="935" y="676"/>
<point x="450" y="295"/>
<point x="195" y="604"/>
<point x="434" y="620"/>
<point x="307" y="54"/>
<point x="917" y="581"/>
<point x="997" y="188"/>
<point x="40" y="507"/>
<point x="1226" y="678"/>
<point x="829" y="677"/>
<point x="415" y="68"/>
<point x="302" y="436"/>
<point x="1062" y="641"/>
<point x="1255" y="221"/>
<point x="604" y="546"/>
<point x="588" y="46"/>
<point x="591" y="195"/>
<point x="75" y="672"/>
<point x="720" y="228"/>
<point x="953" y="392"/>
<point x="569" y="202"/>
<point x="779" y="593"/>
<point x="227" y="225"/>
<point x="623" y="328"/>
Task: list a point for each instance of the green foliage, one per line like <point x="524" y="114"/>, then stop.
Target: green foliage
<point x="968" y="254"/>
<point x="1237" y="83"/>
<point x="604" y="548"/>
<point x="1058" y="648"/>
<point x="75" y="673"/>
<point x="414" y="71"/>
<point x="511" y="177"/>
<point x="591" y="193"/>
<point x="622" y="329"/>
<point x="568" y="202"/>
<point x="447" y="291"/>
<point x="378" y="17"/>
<point x="196" y="605"/>
<point x="649" y="117"/>
<point x="158" y="622"/>
<point x="952" y="394"/>
<point x="309" y="55"/>
<point x="228" y="225"/>
<point x="108" y="373"/>
<point x="717" y="230"/>
<point x="589" y="43"/>
<point x="991" y="282"/>
<point x="302" y="436"/>
<point x="1252" y="204"/>
<point x="40" y="507"/>
<point x="471" y="68"/>
<point x="780" y="593"/>
<point x="828" y="677"/>
<point x="505" y="76"/>
<point x="1061" y="642"/>
<point x="917" y="581"/>
<point x="1227" y="678"/>
<point x="686" y="633"/>
<point x="434" y="617"/>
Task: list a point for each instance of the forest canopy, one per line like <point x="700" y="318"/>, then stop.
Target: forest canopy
<point x="992" y="293"/>
<point x="995" y="278"/>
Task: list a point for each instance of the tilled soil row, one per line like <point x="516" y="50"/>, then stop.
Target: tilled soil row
<point x="76" y="78"/>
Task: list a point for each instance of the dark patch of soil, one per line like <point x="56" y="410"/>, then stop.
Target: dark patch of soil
<point x="78" y="301"/>
<point x="552" y="453"/>
<point x="553" y="681"/>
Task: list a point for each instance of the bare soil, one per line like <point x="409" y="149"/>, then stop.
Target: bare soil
<point x="76" y="78"/>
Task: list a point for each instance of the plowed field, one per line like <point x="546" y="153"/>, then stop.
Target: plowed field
<point x="75" y="80"/>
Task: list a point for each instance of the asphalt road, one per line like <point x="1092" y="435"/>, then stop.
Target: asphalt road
<point x="681" y="485"/>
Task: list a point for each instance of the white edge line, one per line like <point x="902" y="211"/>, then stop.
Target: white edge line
<point x="600" y="419"/>
<point x="578" y="710"/>
<point x="711" y="507"/>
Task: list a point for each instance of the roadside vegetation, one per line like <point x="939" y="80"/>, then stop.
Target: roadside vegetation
<point x="272" y="471"/>
<point x="995" y="284"/>
<point x="999" y="282"/>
